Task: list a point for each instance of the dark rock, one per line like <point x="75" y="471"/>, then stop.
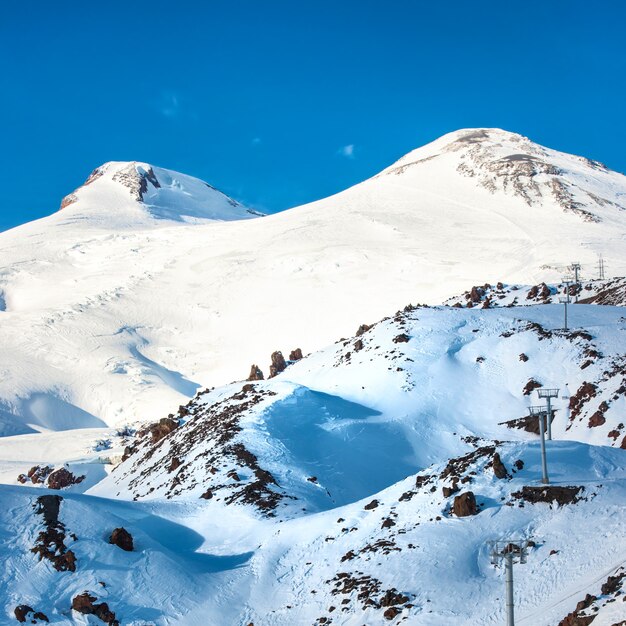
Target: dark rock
<point x="121" y="538"/>
<point x="175" y="463"/>
<point x="448" y="491"/>
<point x="549" y="494"/>
<point x="372" y="505"/>
<point x="24" y="613"/>
<point x="388" y="523"/>
<point x="465" y="504"/>
<point x="499" y="468"/>
<point x="207" y="495"/>
<point x="247" y="388"/>
<point x="391" y="612"/>
<point x="531" y="385"/>
<point x="613" y="584"/>
<point x="363" y="328"/>
<point x="85" y="603"/>
<point x="519" y="464"/>
<point x="62" y="478"/>
<point x="295" y="355"/>
<point x="476" y="294"/>
<point x="50" y="543"/>
<point x="160" y="429"/>
<point x="401" y="338"/>
<point x="523" y="357"/>
<point x="278" y="364"/>
<point x="597" y="419"/>
<point x="358" y="345"/>
<point x="255" y="373"/>
<point x="578" y="400"/>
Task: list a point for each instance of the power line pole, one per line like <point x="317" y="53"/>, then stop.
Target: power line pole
<point x="548" y="394"/>
<point x="600" y="267"/>
<point x="509" y="551"/>
<point x="575" y="267"/>
<point x="539" y="412"/>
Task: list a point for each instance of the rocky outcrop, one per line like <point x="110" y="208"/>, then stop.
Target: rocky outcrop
<point x="278" y="364"/>
<point x="549" y="494"/>
<point x="539" y="292"/>
<point x="255" y="373"/>
<point x="160" y="429"/>
<point x="530" y="386"/>
<point x="295" y="355"/>
<point x="86" y="604"/>
<point x="121" y="538"/>
<point x="62" y="478"/>
<point x="499" y="468"/>
<point x="50" y="542"/>
<point x="465" y="505"/>
<point x="363" y="328"/>
<point x="578" y="400"/>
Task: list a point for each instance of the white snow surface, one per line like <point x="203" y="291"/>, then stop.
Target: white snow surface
<point x="378" y="421"/>
<point x="157" y="297"/>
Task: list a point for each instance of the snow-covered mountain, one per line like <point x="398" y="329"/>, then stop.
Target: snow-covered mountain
<point x="147" y="281"/>
<point x="361" y="484"/>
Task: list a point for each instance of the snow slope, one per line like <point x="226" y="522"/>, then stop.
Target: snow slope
<point x="157" y="289"/>
<point x="317" y="497"/>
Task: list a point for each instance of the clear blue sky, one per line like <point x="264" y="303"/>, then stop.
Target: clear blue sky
<point x="263" y="99"/>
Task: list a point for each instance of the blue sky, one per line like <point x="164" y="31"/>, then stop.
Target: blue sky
<point x="280" y="103"/>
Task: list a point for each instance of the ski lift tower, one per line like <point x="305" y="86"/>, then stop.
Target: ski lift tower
<point x="510" y="551"/>
<point x="566" y="300"/>
<point x="575" y="267"/>
<point x="548" y="394"/>
<point x="540" y="412"/>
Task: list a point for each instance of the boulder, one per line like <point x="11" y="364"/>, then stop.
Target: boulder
<point x="121" y="538"/>
<point x="465" y="504"/>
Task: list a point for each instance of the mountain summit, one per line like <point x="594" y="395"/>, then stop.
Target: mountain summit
<point x="500" y="161"/>
<point x="133" y="192"/>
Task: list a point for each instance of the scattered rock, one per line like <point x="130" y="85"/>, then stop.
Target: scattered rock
<point x="371" y="506"/>
<point x="401" y="338"/>
<point x="523" y="357"/>
<point x="255" y="373"/>
<point x="465" y="504"/>
<point x="363" y="328"/>
<point x="121" y="538"/>
<point x="358" y="345"/>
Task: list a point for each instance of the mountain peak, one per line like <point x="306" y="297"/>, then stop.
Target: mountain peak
<point x="502" y="162"/>
<point x="143" y="191"/>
